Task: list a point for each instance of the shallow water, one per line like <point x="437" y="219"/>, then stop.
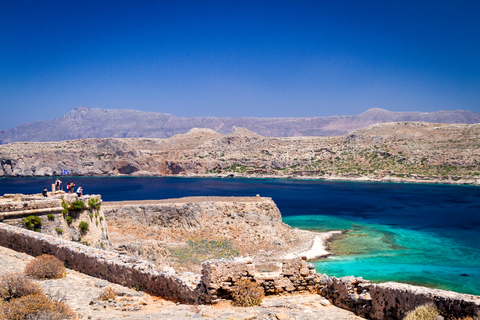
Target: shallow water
<point x="415" y="233"/>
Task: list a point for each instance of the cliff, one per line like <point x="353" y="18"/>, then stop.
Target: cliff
<point x="184" y="232"/>
<point x="401" y="151"/>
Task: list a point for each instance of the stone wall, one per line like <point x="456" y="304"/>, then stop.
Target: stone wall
<point x="373" y="301"/>
<point x="14" y="208"/>
<point x="102" y="264"/>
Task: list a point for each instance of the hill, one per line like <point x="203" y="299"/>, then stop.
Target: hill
<point x="396" y="151"/>
<point x="83" y="123"/>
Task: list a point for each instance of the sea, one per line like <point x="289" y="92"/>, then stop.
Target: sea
<point x="422" y="234"/>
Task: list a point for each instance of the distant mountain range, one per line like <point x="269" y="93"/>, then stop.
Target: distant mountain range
<point x="122" y="123"/>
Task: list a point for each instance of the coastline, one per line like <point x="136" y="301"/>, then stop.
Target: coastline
<point x="386" y="179"/>
<point x="318" y="247"/>
<point x="414" y="179"/>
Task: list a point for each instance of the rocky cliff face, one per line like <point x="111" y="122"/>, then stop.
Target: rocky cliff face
<point x="177" y="231"/>
<point x="83" y="123"/>
<point x="401" y="151"/>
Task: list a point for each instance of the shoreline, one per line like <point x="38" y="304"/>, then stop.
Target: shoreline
<point x="318" y="248"/>
<point x="387" y="179"/>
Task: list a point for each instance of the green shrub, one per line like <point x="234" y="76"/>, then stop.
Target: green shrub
<point x="83" y="226"/>
<point x="45" y="267"/>
<point x="425" y="312"/>
<point x="101" y="219"/>
<point x="77" y="205"/>
<point x="69" y="219"/>
<point x="247" y="293"/>
<point x="65" y="208"/>
<point x="94" y="203"/>
<point x="15" y="285"/>
<point x="50" y="217"/>
<point x="90" y="215"/>
<point x="59" y="230"/>
<point x="32" y="223"/>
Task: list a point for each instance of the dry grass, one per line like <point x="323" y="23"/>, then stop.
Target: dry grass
<point x="36" y="306"/>
<point x="107" y="294"/>
<point x="425" y="312"/>
<point x="247" y="293"/>
<point x="45" y="267"/>
<point x="14" y="285"/>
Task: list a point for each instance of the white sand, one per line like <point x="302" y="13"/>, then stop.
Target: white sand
<point x="318" y="248"/>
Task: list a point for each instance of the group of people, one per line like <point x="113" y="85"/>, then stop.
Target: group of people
<point x="70" y="187"/>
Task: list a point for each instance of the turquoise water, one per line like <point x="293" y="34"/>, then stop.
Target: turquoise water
<point x="415" y="233"/>
<point x="385" y="253"/>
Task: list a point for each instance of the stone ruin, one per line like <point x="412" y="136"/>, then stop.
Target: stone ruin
<point x="375" y="301"/>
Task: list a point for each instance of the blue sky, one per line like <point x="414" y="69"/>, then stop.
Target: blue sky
<point x="237" y="58"/>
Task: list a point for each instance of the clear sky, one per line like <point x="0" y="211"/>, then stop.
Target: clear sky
<point x="237" y="58"/>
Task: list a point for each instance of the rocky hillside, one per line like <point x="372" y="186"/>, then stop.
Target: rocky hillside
<point x="408" y="151"/>
<point x="185" y="232"/>
<point x="83" y="123"/>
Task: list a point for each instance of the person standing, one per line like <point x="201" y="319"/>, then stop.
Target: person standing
<point x="45" y="192"/>
<point x="57" y="184"/>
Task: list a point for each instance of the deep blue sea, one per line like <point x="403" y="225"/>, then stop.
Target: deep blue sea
<point x="414" y="233"/>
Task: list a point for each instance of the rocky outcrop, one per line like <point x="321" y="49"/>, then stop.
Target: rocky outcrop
<point x="250" y="225"/>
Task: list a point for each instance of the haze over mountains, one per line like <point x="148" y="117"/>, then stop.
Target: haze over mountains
<point x="123" y="123"/>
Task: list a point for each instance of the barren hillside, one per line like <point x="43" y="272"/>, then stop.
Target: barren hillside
<point x="409" y="151"/>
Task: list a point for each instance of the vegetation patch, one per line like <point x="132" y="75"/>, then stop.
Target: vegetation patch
<point x="201" y="250"/>
<point x="83" y="226"/>
<point x="247" y="293"/>
<point x="425" y="312"/>
<point x="50" y="217"/>
<point x="15" y="285"/>
<point x="45" y="267"/>
<point x="77" y="205"/>
<point x="94" y="203"/>
<point x="107" y="293"/>
<point x="35" y="306"/>
<point x="32" y="223"/>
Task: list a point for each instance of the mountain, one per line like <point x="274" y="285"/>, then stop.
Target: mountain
<point x="122" y="123"/>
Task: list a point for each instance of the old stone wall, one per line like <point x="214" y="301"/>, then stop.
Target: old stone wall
<point x="16" y="207"/>
<point x="373" y="301"/>
<point x="102" y="264"/>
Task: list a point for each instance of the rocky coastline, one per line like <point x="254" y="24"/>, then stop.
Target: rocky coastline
<point x="408" y="152"/>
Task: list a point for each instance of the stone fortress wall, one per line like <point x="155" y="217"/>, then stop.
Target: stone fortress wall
<point x="14" y="208"/>
<point x="375" y="301"/>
